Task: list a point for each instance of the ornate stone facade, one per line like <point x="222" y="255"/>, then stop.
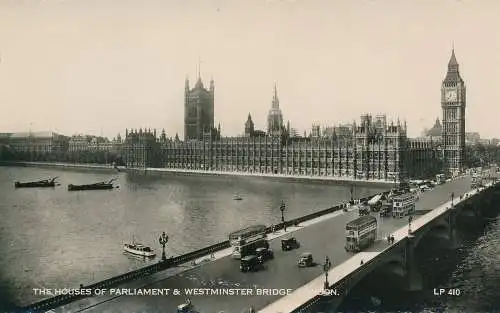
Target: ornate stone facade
<point x="375" y="149"/>
<point x="198" y="110"/>
<point x="453" y="100"/>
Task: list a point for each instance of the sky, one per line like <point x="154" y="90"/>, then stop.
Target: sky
<point x="100" y="66"/>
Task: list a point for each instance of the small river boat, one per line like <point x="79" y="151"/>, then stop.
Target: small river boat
<point x="51" y="182"/>
<point x="138" y="249"/>
<point x="237" y="197"/>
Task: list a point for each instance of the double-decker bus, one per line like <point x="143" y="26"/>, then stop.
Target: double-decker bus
<point x="440" y="179"/>
<point x="403" y="205"/>
<point x="247" y="240"/>
<point x="360" y="233"/>
<point x="477" y="181"/>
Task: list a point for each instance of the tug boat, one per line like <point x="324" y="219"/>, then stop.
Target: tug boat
<point x="96" y="186"/>
<point x="51" y="182"/>
<point x="139" y="249"/>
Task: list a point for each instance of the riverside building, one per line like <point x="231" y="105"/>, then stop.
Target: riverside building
<point x="371" y="149"/>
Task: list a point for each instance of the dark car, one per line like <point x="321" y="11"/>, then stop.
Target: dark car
<point x="250" y="263"/>
<point x="305" y="260"/>
<point x="264" y="254"/>
<point x="289" y="244"/>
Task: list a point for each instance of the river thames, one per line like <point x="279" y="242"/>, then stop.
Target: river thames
<point x="52" y="238"/>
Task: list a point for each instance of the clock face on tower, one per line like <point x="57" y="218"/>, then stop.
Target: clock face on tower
<point x="451" y="95"/>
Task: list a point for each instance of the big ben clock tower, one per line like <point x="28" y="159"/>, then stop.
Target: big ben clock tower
<point x="453" y="98"/>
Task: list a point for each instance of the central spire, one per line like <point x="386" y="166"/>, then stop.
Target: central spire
<point x="276" y="102"/>
<point x="199" y="68"/>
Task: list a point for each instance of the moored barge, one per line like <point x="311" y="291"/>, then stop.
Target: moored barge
<point x="96" y="186"/>
<point x="51" y="182"/>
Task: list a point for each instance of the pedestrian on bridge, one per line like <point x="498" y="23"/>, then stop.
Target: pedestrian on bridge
<point x="392" y="239"/>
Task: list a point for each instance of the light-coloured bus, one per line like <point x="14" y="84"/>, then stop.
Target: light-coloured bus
<point x="403" y="205"/>
<point x="440" y="179"/>
<point x="477" y="181"/>
<point x="247" y="240"/>
<point x="360" y="233"/>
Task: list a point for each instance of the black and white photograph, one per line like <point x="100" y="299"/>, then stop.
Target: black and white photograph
<point x="271" y="156"/>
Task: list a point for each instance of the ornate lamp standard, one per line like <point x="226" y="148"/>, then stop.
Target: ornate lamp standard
<point x="282" y="209"/>
<point x="352" y="194"/>
<point x="163" y="241"/>
<point x="326" y="267"/>
<point x="452" y="196"/>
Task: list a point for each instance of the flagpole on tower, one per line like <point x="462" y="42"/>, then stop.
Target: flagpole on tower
<point x="199" y="67"/>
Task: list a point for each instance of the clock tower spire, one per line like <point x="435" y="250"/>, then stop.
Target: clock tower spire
<point x="453" y="100"/>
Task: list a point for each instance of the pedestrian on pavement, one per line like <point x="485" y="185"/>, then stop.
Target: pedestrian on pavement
<point x="362" y="262"/>
<point x="392" y="239"/>
<point x="389" y="239"/>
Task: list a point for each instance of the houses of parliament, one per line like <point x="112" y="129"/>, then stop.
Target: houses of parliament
<point x="373" y="148"/>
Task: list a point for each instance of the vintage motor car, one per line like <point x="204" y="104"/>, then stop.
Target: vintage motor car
<point x="289" y="244"/>
<point x="264" y="254"/>
<point x="305" y="260"/>
<point x="250" y="263"/>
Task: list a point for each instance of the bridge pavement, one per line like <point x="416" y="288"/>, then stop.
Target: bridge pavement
<point x="309" y="291"/>
<point x="326" y="237"/>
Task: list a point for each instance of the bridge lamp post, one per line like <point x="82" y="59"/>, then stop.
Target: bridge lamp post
<point x="163" y="241"/>
<point x="326" y="267"/>
<point x="282" y="209"/>
<point x="410" y="218"/>
<point x="452" y="196"/>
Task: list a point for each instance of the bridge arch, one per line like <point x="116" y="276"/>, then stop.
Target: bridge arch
<point x="392" y="265"/>
<point x="438" y="229"/>
<point x="467" y="210"/>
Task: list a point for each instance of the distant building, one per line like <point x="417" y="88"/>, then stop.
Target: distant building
<point x="249" y="127"/>
<point x="140" y="148"/>
<point x="275" y="126"/>
<point x="36" y="143"/>
<point x="424" y="157"/>
<point x="472" y="138"/>
<point x="80" y="143"/>
<point x="344" y="132"/>
<point x="375" y="149"/>
<point x="294" y="132"/>
<point x="198" y="110"/>
<point x="436" y="131"/>
<point x="315" y="131"/>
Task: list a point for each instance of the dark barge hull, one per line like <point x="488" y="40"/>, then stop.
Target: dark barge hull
<point x="90" y="187"/>
<point x="34" y="184"/>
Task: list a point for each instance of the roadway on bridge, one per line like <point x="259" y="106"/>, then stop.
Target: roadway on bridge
<point x="320" y="239"/>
